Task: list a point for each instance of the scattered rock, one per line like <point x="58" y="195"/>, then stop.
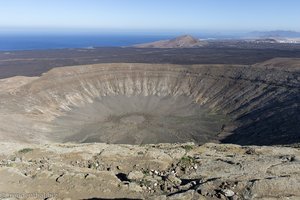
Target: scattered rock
<point x="135" y="175"/>
<point x="228" y="193"/>
<point x="204" y="172"/>
<point x="173" y="179"/>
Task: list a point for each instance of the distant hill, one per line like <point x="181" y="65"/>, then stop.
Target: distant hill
<point x="185" y="41"/>
<point x="275" y="34"/>
<point x="266" y="40"/>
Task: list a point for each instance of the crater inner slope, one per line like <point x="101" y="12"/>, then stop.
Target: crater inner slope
<point x="147" y="103"/>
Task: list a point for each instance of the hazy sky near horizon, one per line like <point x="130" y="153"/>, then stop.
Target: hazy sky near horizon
<point x="156" y="15"/>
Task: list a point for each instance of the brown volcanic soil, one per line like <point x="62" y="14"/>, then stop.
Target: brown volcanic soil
<point x="146" y="103"/>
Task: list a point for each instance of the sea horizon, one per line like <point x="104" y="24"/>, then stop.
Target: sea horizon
<point x="15" y="41"/>
<point x="48" y="42"/>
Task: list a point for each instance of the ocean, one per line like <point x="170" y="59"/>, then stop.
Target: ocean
<point x="34" y="42"/>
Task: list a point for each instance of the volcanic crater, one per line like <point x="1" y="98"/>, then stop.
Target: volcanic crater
<point x="155" y="103"/>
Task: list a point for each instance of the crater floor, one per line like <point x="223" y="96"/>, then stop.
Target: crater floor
<point x="139" y="120"/>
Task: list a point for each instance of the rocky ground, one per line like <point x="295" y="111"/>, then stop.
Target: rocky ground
<point x="162" y="171"/>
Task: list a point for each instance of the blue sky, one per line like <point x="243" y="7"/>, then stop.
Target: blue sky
<point x="150" y="15"/>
